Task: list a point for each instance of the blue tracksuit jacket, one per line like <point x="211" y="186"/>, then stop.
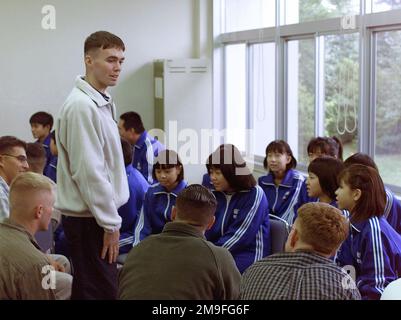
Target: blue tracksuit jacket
<point x="130" y="211"/>
<point x="242" y="226"/>
<point x="392" y="212"/>
<point x="156" y="210"/>
<point x="51" y="170"/>
<point x="145" y="150"/>
<point x="373" y="248"/>
<point x="49" y="157"/>
<point x="285" y="199"/>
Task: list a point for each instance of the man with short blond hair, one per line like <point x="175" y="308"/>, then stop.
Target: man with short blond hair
<point x="305" y="271"/>
<point x="25" y="272"/>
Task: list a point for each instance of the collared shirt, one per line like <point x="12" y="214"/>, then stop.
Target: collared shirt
<point x="22" y="265"/>
<point x="4" y="202"/>
<point x="300" y="275"/>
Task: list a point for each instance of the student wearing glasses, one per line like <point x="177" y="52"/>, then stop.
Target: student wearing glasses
<point x="13" y="161"/>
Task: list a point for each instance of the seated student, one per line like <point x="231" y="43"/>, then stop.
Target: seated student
<point x="282" y="185"/>
<point x="160" y="197"/>
<point x="373" y="246"/>
<point x="242" y="218"/>
<point x="179" y="263"/>
<point x="130" y="211"/>
<point x="322" y="179"/>
<point x="392" y="211"/>
<point x="51" y="170"/>
<point x="146" y="148"/>
<point x="325" y="146"/>
<point x="23" y="265"/>
<point x="13" y="161"/>
<point x="304" y="271"/>
<point x="36" y="157"/>
<point x="41" y="125"/>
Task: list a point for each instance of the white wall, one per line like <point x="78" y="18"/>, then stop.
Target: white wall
<point x="38" y="66"/>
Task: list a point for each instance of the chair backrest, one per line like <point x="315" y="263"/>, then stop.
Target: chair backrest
<point x="279" y="231"/>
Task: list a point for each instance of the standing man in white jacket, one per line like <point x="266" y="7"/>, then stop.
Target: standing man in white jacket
<point x="91" y="176"/>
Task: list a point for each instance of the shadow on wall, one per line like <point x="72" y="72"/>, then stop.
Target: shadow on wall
<point x="134" y="92"/>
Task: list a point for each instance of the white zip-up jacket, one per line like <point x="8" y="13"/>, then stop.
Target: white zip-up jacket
<point x="91" y="178"/>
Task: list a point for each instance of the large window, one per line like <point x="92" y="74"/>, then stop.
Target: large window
<point x="235" y="79"/>
<point x="262" y="87"/>
<point x="388" y="106"/>
<point x="301" y="96"/>
<point x="248" y="14"/>
<point x="296" y="69"/>
<point x="341" y="89"/>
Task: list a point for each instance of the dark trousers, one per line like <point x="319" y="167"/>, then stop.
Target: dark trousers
<point x="94" y="277"/>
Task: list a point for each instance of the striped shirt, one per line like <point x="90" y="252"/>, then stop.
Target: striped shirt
<point x="299" y="275"/>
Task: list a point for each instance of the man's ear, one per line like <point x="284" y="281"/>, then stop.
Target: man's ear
<point x="173" y="213"/>
<point x="38" y="211"/>
<point x="211" y="222"/>
<point x="88" y="59"/>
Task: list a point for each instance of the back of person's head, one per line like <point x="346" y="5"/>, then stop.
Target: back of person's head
<point x="196" y="205"/>
<point x="372" y="200"/>
<point x="329" y="146"/>
<point x="229" y="160"/>
<point x="36" y="156"/>
<point x="127" y="151"/>
<point x="327" y="169"/>
<point x="27" y="191"/>
<point x="360" y="158"/>
<point x="9" y="142"/>
<point x="168" y="159"/>
<point x="321" y="226"/>
<point x="43" y="118"/>
<point x="103" y="40"/>
<point x="282" y="147"/>
<point x="133" y="120"/>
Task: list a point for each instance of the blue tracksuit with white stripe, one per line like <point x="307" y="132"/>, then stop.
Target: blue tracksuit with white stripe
<point x="145" y="150"/>
<point x="392" y="212"/>
<point x="49" y="156"/>
<point x="284" y="199"/>
<point x="156" y="210"/>
<point x="206" y="182"/>
<point x="242" y="226"/>
<point x="130" y="211"/>
<point x="51" y="170"/>
<point x="373" y="248"/>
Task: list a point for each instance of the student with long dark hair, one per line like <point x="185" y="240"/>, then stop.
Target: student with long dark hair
<point x="322" y="181"/>
<point x="373" y="247"/>
<point x="282" y="185"/>
<point x="160" y="197"/>
<point x="392" y="211"/>
<point x="242" y="221"/>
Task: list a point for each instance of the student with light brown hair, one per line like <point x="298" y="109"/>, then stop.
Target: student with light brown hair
<point x="304" y="271"/>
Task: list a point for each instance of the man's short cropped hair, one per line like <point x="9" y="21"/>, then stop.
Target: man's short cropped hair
<point x="103" y="40"/>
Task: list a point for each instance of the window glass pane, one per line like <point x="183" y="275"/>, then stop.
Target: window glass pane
<point x="341" y="89"/>
<point x="248" y="14"/>
<point x="262" y="97"/>
<point x="296" y="11"/>
<point x="384" y="5"/>
<point x="235" y="75"/>
<point x="388" y="106"/>
<point x="301" y="96"/>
